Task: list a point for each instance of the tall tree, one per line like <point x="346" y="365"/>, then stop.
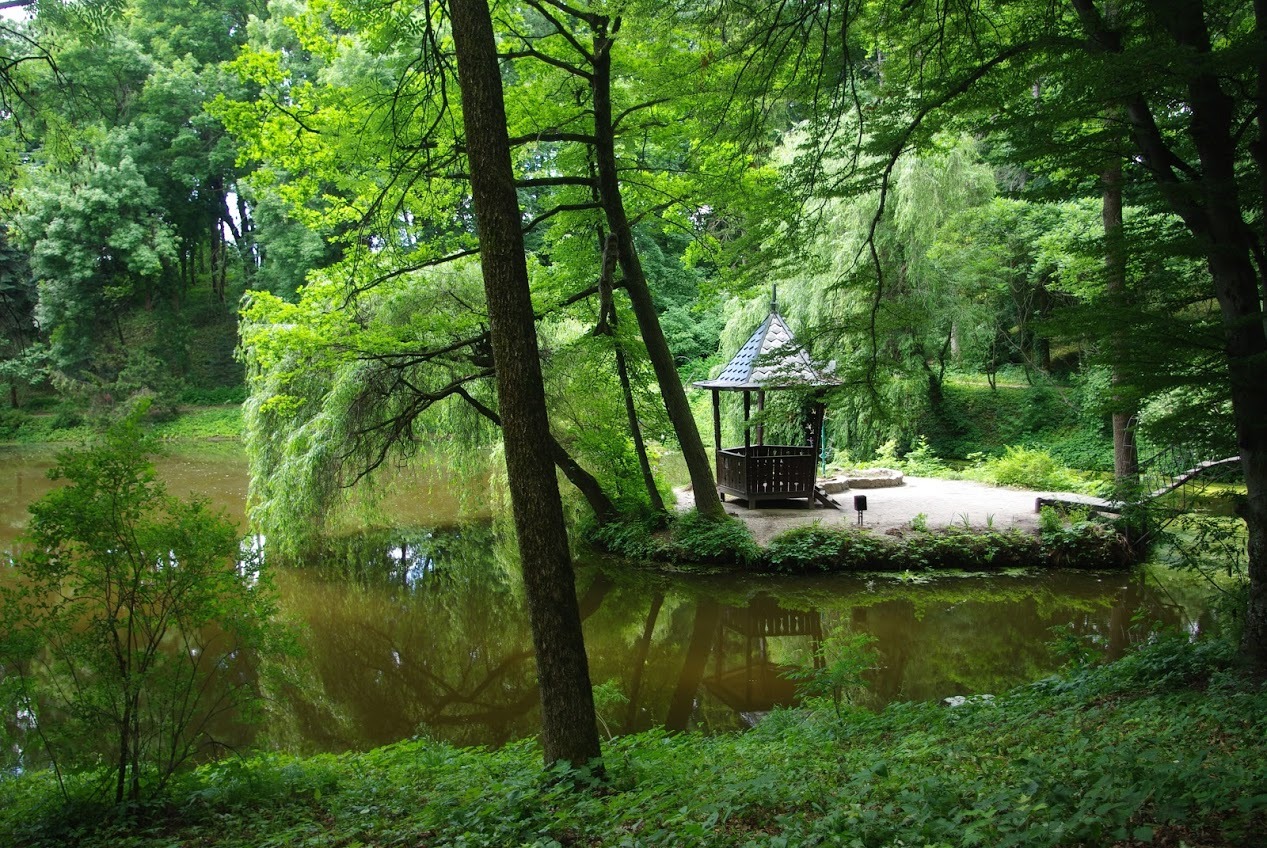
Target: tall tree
<point x="1191" y="80"/>
<point x="569" y="728"/>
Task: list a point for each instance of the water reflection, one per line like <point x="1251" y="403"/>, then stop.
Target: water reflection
<point x="425" y="631"/>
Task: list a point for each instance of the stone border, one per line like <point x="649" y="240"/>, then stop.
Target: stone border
<point x="865" y="478"/>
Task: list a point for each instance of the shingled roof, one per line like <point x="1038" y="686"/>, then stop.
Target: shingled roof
<point x="770" y="359"/>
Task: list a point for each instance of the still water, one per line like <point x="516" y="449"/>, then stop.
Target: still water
<point x="424" y="631"/>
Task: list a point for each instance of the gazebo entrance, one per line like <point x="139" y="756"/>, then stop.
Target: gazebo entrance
<point x="770" y="359"/>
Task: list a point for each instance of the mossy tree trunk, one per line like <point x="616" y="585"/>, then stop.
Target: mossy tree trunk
<point x="569" y="729"/>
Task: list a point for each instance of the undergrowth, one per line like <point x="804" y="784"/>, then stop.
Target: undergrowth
<point x="815" y="548"/>
<point x="1168" y="746"/>
<point x="688" y="538"/>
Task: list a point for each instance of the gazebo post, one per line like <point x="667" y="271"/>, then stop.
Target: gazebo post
<point x="716" y="422"/>
<point x="816" y="426"/>
<point x="747" y="448"/>
<point x="761" y="416"/>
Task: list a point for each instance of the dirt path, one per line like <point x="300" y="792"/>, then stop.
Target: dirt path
<point x="942" y="503"/>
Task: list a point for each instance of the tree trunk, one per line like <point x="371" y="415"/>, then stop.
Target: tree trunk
<point x="707" y="500"/>
<point x="1227" y="241"/>
<point x="631" y="412"/>
<point x="569" y="729"/>
<point x="1125" y="453"/>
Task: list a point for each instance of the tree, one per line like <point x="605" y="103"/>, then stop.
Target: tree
<point x="21" y="357"/>
<point x="569" y="728"/>
<point x="346" y="150"/>
<point x="133" y="632"/>
<point x="98" y="248"/>
<point x="1190" y="80"/>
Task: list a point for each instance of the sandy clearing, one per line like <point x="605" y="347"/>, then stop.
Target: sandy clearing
<point x="942" y="502"/>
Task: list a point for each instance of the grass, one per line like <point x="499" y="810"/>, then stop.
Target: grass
<point x="1167" y="746"/>
<point x="214" y="422"/>
<point x="209" y="422"/>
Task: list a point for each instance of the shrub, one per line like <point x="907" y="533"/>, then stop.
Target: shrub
<point x="696" y="538"/>
<point x="628" y="537"/>
<point x="1030" y="468"/>
<point x="921" y="461"/>
<point x="813" y="547"/>
<point x="132" y="629"/>
<point x="212" y="395"/>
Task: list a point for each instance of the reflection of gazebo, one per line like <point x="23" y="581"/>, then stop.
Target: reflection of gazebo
<point x="770" y="359"/>
<point x="756" y="684"/>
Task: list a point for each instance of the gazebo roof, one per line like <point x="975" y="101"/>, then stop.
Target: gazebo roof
<point x="770" y="359"/>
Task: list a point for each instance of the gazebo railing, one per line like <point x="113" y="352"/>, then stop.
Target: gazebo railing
<point x="778" y="471"/>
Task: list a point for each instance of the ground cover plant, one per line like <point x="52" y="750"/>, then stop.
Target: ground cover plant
<point x="1167" y="746"/>
<point x="815" y="548"/>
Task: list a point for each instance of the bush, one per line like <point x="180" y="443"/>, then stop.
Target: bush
<point x="132" y="628"/>
<point x="213" y="395"/>
<point x="1029" y="468"/>
<point x="697" y="538"/>
<point x="630" y="537"/>
<point x="814" y="548"/>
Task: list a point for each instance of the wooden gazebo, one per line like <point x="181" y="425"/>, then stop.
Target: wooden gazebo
<point x="770" y="359"/>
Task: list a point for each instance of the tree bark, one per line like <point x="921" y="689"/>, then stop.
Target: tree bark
<point x="569" y="730"/>
<point x="1125" y="453"/>
<point x="707" y="500"/>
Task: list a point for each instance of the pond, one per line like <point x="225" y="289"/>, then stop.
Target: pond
<point x="424" y="631"/>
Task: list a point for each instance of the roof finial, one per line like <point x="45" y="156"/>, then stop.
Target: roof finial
<point x="774" y="297"/>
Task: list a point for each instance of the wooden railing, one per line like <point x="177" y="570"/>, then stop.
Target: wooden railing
<point x="778" y="471"/>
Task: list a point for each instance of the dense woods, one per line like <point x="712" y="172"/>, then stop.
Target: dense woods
<point x="525" y="226"/>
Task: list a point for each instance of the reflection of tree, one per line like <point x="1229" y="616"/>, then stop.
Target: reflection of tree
<point x="703" y="634"/>
<point x="951" y="636"/>
<point x="639" y="663"/>
<point x="419" y="633"/>
<point x="424" y="632"/>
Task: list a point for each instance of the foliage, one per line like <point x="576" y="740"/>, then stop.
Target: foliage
<point x="814" y="548"/>
<point x="689" y="539"/>
<point x="1212" y="547"/>
<point x="632" y="537"/>
<point x="132" y="632"/>
<point x="1029" y="468"/>
<point x="1165" y="745"/>
<point x="223" y="423"/>
<point x="697" y="538"/>
<point x="837" y="669"/>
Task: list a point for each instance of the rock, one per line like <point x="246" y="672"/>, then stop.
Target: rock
<point x="833" y="485"/>
<point x="959" y="700"/>
<point x="874" y="478"/>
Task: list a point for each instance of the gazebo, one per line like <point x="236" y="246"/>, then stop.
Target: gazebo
<point x="770" y="359"/>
